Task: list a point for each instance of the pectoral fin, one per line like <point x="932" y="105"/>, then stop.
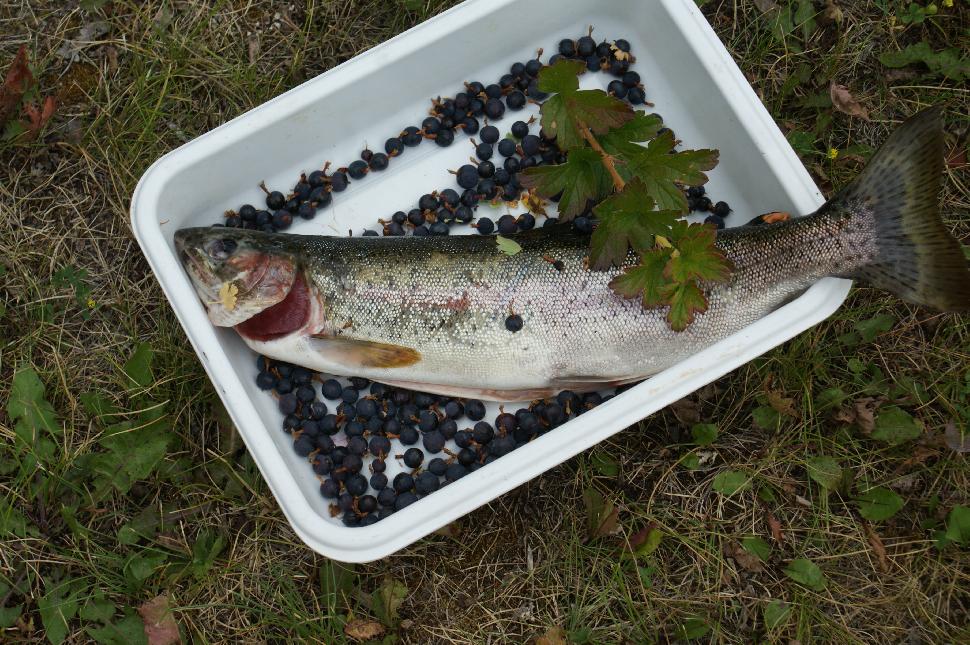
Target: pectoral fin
<point x="364" y="353"/>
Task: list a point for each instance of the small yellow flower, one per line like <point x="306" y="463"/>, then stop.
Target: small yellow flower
<point x="947" y="3"/>
<point x="833" y="153"/>
<point x="91" y="303"/>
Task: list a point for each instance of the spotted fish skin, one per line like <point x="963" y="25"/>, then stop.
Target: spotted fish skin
<point x="430" y="312"/>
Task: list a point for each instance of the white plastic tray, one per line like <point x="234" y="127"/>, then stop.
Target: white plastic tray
<point x="689" y="76"/>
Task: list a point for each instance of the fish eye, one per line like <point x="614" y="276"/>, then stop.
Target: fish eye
<point x="221" y="249"/>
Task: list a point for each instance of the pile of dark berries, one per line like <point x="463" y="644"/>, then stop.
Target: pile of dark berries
<point x="377" y="449"/>
<point x="492" y="174"/>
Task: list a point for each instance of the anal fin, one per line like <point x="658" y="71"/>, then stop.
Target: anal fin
<point x="364" y="353"/>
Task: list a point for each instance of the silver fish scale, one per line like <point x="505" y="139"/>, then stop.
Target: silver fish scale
<point x="449" y="297"/>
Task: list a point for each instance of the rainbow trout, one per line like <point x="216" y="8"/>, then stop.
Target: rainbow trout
<point x="429" y="313"/>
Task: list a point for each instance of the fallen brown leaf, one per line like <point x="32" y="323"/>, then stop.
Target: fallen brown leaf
<point x="781" y="404"/>
<point x="876" y="543"/>
<point x="832" y="12"/>
<point x="957" y="158"/>
<point x="15" y="83"/>
<point x="640" y="536"/>
<point x="360" y="629"/>
<point x="687" y="411"/>
<point x="253" y="48"/>
<point x="775" y="527"/>
<point x="160" y="625"/>
<point x="38" y="117"/>
<point x="901" y="74"/>
<point x="766" y="5"/>
<point x="956" y="440"/>
<point x="844" y="102"/>
<point x="861" y="413"/>
<point x="744" y="559"/>
<point x="452" y="530"/>
<point x="553" y="636"/>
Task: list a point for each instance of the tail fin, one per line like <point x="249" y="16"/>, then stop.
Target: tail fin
<point x="916" y="258"/>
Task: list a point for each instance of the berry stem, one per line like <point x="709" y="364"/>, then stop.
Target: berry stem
<point x="607" y="159"/>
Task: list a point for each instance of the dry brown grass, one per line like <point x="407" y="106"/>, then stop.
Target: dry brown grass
<point x="163" y="74"/>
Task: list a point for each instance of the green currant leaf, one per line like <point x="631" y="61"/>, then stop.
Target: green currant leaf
<point x="645" y="280"/>
<point x="507" y="246"/>
<point x="642" y="127"/>
<point x="659" y="167"/>
<point x="626" y="220"/>
<point x="562" y="77"/>
<point x="563" y="112"/>
<point x="696" y="257"/>
<point x="686" y="299"/>
<point x="580" y="179"/>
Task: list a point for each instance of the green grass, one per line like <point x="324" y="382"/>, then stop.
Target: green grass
<point x="200" y="527"/>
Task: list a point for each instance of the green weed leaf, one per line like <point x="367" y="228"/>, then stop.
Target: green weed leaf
<point x="9" y="615"/>
<point x="766" y="417"/>
<point x="703" y="434"/>
<point x="130" y="630"/>
<point x="958" y="525"/>
<point x="141" y="566"/>
<point x="730" y="482"/>
<point x="97" y="405"/>
<point x="950" y="63"/>
<point x="57" y="607"/>
<point x="693" y="628"/>
<point x="386" y="600"/>
<point x="895" y="426"/>
<point x="32" y="414"/>
<point x="757" y="547"/>
<point x="869" y="329"/>
<point x="691" y="461"/>
<point x="97" y="608"/>
<point x="601" y="514"/>
<point x="604" y="463"/>
<point x="825" y="471"/>
<point x="807" y="573"/>
<point x="776" y="614"/>
<point x="132" y="454"/>
<point x="139" y="366"/>
<point x="206" y="549"/>
<point x="877" y="504"/>
<point x="581" y="179"/>
<point x="337" y="581"/>
<point x="69" y="277"/>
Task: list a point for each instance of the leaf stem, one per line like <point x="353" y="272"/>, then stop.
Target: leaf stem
<point x="607" y="159"/>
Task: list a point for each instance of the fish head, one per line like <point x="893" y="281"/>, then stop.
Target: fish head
<point x="237" y="273"/>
